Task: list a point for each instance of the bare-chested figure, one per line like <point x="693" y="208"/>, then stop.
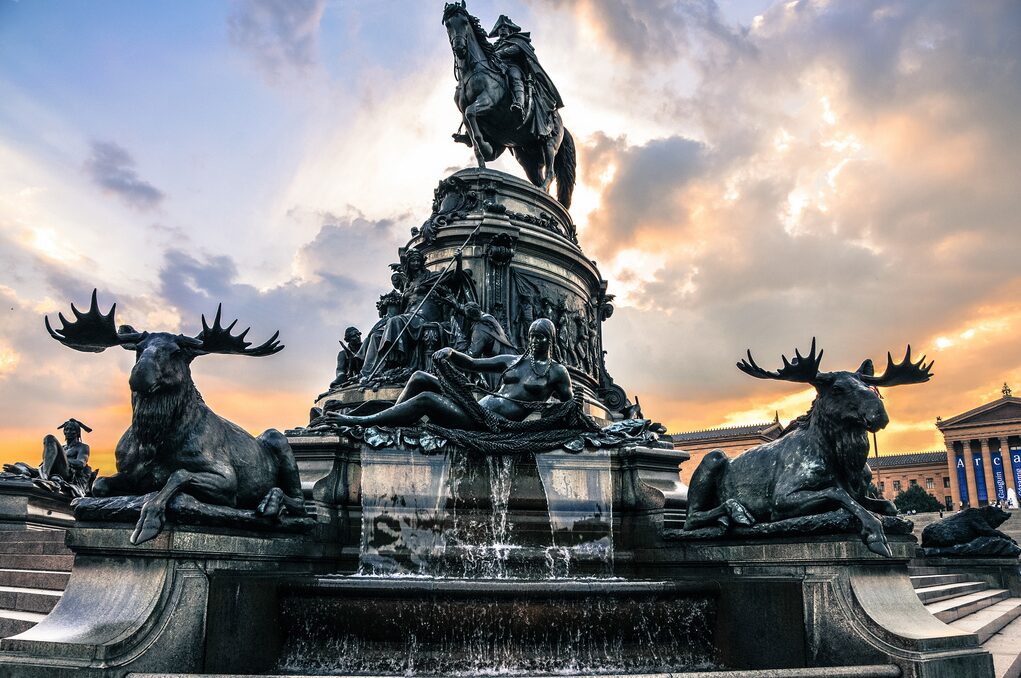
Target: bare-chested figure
<point x="524" y="380"/>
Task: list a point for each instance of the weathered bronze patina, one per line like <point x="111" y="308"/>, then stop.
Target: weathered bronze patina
<point x="508" y="101"/>
<point x="64" y="469"/>
<point x="176" y="444"/>
<point x="819" y="464"/>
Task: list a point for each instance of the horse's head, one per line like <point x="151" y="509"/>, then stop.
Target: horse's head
<point x="458" y="23"/>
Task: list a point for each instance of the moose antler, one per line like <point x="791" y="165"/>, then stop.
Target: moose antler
<point x="218" y="339"/>
<point x="803" y="369"/>
<point x="904" y="372"/>
<point x="92" y="332"/>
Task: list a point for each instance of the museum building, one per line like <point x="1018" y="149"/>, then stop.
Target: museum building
<point x="984" y="452"/>
<point x="895" y="473"/>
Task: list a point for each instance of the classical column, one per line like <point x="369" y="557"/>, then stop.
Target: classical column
<point x="969" y="465"/>
<point x="955" y="489"/>
<point x="987" y="463"/>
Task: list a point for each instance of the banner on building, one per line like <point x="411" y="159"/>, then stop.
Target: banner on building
<point x="981" y="495"/>
<point x="999" y="475"/>
<point x="1015" y="464"/>
<point x="962" y="476"/>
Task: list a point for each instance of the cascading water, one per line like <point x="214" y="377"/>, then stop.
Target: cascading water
<point x="474" y="566"/>
<point x="404" y="498"/>
<point x="579" y="493"/>
<point x="484" y="627"/>
<point x="449" y="515"/>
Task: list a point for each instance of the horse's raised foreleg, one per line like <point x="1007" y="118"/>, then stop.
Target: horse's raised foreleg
<point x="482" y="104"/>
<point x="549" y="153"/>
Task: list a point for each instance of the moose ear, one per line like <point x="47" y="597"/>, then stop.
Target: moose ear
<point x="128" y="329"/>
<point x="823" y="380"/>
<point x="191" y="345"/>
<point x="867" y="368"/>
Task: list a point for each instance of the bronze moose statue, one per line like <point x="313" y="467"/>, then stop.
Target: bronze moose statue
<point x="175" y="443"/>
<point x="819" y="464"/>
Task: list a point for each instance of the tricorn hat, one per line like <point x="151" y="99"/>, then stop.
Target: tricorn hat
<point x="77" y="423"/>
<point x="504" y="21"/>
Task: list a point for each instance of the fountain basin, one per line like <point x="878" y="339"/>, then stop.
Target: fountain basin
<point x="342" y="625"/>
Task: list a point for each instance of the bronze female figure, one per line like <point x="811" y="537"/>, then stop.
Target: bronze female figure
<point x="526" y="382"/>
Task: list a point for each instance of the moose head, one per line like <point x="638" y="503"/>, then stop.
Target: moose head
<point x="162" y="359"/>
<point x="849" y="399"/>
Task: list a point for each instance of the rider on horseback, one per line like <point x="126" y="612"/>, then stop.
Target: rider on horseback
<point x="515" y="50"/>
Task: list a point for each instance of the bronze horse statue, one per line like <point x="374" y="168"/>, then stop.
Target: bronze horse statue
<point x="484" y="98"/>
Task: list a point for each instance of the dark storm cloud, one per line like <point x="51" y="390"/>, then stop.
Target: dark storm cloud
<point x="282" y="36"/>
<point x="112" y="168"/>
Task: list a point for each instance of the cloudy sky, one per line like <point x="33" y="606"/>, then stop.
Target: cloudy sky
<point x="752" y="174"/>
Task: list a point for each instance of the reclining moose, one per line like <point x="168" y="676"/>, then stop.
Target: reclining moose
<point x="818" y="465"/>
<point x="175" y="443"/>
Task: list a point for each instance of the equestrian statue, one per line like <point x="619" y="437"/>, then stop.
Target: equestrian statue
<point x="508" y="101"/>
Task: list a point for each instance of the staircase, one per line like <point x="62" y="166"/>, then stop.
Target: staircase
<point x="969" y="603"/>
<point x="34" y="569"/>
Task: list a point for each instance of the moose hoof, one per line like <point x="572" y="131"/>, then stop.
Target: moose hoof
<point x="272" y="503"/>
<point x="876" y="542"/>
<point x="150" y="524"/>
<point x="739" y="513"/>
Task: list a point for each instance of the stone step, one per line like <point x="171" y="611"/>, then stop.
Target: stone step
<point x="34" y="579"/>
<point x="954" y="608"/>
<point x="13" y="622"/>
<point x="17" y="561"/>
<point x="985" y="623"/>
<point x="1005" y="646"/>
<point x="55" y="548"/>
<point x="26" y="599"/>
<point x="924" y="580"/>
<point x="32" y="535"/>
<point x="932" y="594"/>
<point x="915" y="570"/>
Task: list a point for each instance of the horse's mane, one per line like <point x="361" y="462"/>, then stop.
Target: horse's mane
<point x="480" y="33"/>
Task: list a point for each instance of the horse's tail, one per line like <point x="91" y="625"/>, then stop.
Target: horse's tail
<point x="565" y="166"/>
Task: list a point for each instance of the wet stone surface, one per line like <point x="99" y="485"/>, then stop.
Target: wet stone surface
<point x="472" y="627"/>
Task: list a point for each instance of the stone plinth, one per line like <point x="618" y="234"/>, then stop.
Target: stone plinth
<point x="819" y="602"/>
<point x="23" y="506"/>
<point x="189" y="600"/>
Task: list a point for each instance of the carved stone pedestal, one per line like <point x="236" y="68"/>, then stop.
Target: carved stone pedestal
<point x="523" y="257"/>
<point x="23" y="506"/>
<point x="187" y="601"/>
<point x="821" y="603"/>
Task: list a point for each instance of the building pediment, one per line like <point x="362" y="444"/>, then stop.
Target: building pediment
<point x="999" y="411"/>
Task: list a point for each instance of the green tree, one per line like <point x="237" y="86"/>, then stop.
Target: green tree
<point x="916" y="499"/>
